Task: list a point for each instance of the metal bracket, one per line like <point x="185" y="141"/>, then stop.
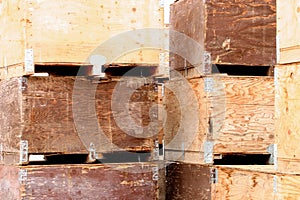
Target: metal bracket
<point x="275" y="184"/>
<point x="161" y="3"/>
<point x="155" y="174"/>
<point x="214" y="176"/>
<point x="156" y="150"/>
<point x="23" y="83"/>
<point x="272" y="149"/>
<point x="23" y="176"/>
<point x="29" y="61"/>
<point x="92" y="151"/>
<point x="23" y="151"/>
<point x="207" y="64"/>
<point x="208" y="84"/>
<point x="208" y="152"/>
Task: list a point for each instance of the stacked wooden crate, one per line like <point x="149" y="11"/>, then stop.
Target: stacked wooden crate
<point x="223" y="114"/>
<point x="210" y="117"/>
<point x="48" y="113"/>
<point x="286" y="100"/>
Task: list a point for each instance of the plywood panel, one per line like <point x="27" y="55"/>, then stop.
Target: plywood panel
<point x="110" y="181"/>
<point x="236" y="113"/>
<point x="288" y="45"/>
<point x="234" y="32"/>
<point x="287" y="115"/>
<point x="70" y="31"/>
<point x="59" y="115"/>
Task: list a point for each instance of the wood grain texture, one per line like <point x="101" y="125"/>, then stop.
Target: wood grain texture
<point x="58" y="30"/>
<point x="234" y="32"/>
<point x="243" y="183"/>
<point x="287" y="115"/>
<point x="288" y="186"/>
<point x="236" y="113"/>
<point x="111" y="181"/>
<point x="43" y="111"/>
<point x="287" y="29"/>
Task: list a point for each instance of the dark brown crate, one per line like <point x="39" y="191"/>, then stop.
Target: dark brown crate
<point x="234" y="32"/>
<point x="109" y="181"/>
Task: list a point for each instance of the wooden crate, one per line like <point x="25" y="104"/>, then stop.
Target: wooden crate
<point x="287" y="31"/>
<point x="233" y="32"/>
<point x="56" y="115"/>
<point x="67" y="32"/>
<point x="218" y="115"/>
<point x="192" y="181"/>
<point x="109" y="181"/>
<point x="287" y="115"/>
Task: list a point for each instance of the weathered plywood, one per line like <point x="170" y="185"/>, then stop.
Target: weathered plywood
<point x="192" y="181"/>
<point x="287" y="115"/>
<point x="65" y="115"/>
<point x="235" y="113"/>
<point x="234" y="32"/>
<point x="58" y="30"/>
<point x="288" y="44"/>
<point x="110" y="181"/>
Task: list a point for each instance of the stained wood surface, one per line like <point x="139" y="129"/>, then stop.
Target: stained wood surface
<point x="187" y="181"/>
<point x="234" y="32"/>
<point x="287" y="28"/>
<point x="69" y="27"/>
<point x="44" y="111"/>
<point x="236" y="113"/>
<point x="110" y="181"/>
<point x="287" y="115"/>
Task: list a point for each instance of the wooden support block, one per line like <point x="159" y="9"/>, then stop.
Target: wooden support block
<point x="207" y="117"/>
<point x="287" y="105"/>
<point x="69" y="115"/>
<point x="288" y="27"/>
<point x="192" y="181"/>
<point x="68" y="32"/>
<point x="109" y="181"/>
<point x="234" y="32"/>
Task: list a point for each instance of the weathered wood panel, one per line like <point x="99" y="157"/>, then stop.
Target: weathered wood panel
<point x="193" y="181"/>
<point x="288" y="44"/>
<point x="287" y="115"/>
<point x="186" y="181"/>
<point x="235" y="113"/>
<point x="234" y="32"/>
<point x="59" y="115"/>
<point x="111" y="181"/>
<point x="58" y="30"/>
